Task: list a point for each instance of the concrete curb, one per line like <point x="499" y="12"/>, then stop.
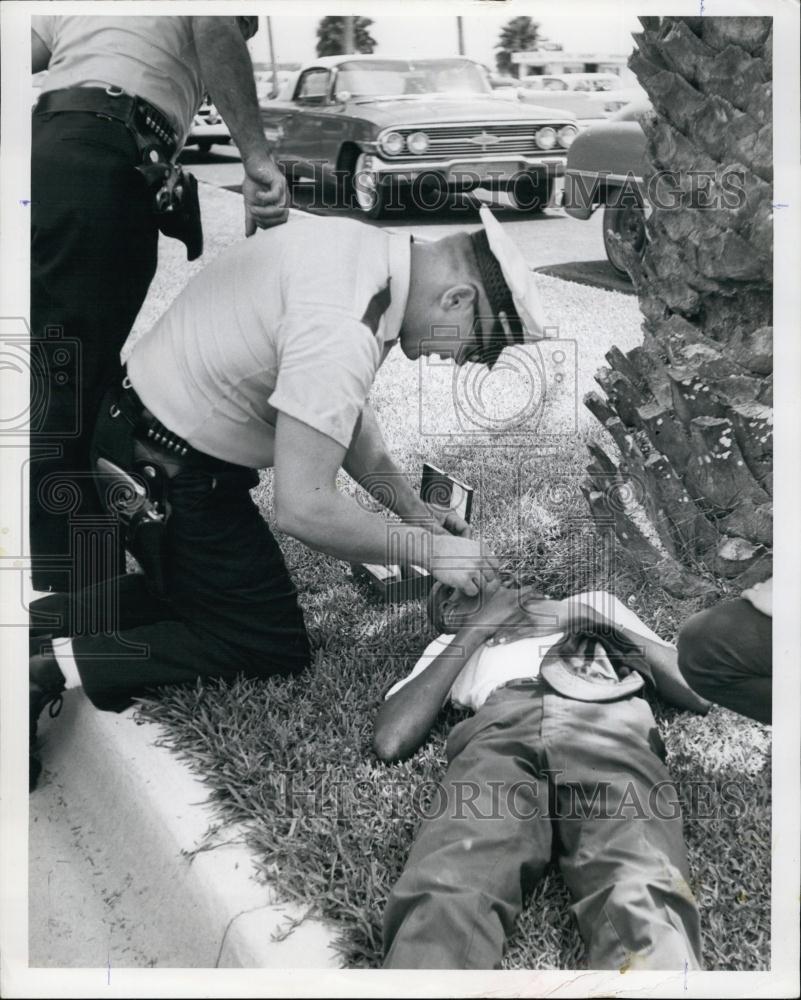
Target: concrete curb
<point x="134" y="816"/>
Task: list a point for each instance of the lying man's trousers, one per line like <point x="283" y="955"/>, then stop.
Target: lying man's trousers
<point x="726" y="655"/>
<point x="529" y="772"/>
<point x="228" y="606"/>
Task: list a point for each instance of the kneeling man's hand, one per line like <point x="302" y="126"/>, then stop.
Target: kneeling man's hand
<point x="463" y="563"/>
<point x="449" y="522"/>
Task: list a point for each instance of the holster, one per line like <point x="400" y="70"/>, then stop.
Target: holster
<point x="134" y="491"/>
<point x="175" y="204"/>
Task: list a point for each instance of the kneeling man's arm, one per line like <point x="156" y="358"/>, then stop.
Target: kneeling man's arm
<point x="309" y="506"/>
<point x="406" y="717"/>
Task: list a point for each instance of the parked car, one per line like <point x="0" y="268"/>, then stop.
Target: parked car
<point x="612" y="101"/>
<point x="208" y="128"/>
<point x="574" y="93"/>
<point x="500" y="81"/>
<point x="379" y="128"/>
<point x="605" y="166"/>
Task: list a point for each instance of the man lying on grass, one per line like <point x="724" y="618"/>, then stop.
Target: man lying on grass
<point x="562" y="751"/>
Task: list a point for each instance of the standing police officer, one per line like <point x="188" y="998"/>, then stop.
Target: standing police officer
<point x="120" y="93"/>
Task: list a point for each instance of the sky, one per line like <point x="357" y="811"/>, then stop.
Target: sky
<point x="415" y="36"/>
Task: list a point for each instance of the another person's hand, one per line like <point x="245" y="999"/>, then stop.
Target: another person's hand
<point x="463" y="563"/>
<point x="499" y="607"/>
<point x="265" y="194"/>
<point x="761" y="596"/>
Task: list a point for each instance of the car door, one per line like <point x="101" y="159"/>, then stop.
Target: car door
<point x="310" y="100"/>
<point x="277" y="116"/>
<point x="318" y="125"/>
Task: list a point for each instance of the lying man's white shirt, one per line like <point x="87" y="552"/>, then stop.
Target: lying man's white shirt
<point x="492" y="666"/>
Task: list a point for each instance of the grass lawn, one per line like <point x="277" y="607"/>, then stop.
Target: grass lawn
<point x="330" y="825"/>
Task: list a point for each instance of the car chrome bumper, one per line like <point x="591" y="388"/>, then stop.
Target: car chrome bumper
<point x="583" y="192"/>
<point x="217" y="131"/>
<point x="464" y="171"/>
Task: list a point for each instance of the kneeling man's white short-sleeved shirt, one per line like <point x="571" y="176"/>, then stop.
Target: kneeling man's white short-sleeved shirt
<point x="297" y="320"/>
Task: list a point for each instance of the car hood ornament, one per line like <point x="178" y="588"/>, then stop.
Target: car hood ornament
<point x="485" y="139"/>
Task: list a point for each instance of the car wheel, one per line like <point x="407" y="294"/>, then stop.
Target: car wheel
<point x="204" y="145"/>
<point x="366" y="190"/>
<point x="530" y="192"/>
<point x="627" y="222"/>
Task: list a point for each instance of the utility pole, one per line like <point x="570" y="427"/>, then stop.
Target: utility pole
<point x="273" y="64"/>
<point x="460" y="33"/>
<point x="348" y="36"/>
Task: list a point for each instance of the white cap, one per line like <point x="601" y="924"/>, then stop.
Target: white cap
<point x="519" y="278"/>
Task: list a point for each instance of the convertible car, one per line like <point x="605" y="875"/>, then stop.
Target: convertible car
<point x="605" y="166"/>
<point x="384" y="131"/>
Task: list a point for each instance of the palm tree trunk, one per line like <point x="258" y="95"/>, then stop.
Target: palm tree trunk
<point x="691" y="409"/>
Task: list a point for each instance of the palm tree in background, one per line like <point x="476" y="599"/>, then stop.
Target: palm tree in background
<point x="331" y="33"/>
<point x="691" y="409"/>
<point x="520" y="34"/>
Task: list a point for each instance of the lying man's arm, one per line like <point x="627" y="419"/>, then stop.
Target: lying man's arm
<point x="664" y="664"/>
<point x="309" y="507"/>
<point x="369" y="462"/>
<point x="576" y="613"/>
<point x="406" y="717"/>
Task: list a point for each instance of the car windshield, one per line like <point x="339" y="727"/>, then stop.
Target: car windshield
<point x="401" y="78"/>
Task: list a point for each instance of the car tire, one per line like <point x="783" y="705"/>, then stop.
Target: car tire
<point x="627" y="222"/>
<point x="204" y="146"/>
<point x="364" y="191"/>
<point x="530" y="192"/>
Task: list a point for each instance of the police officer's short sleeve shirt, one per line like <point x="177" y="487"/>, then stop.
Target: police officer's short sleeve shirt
<point x="294" y="320"/>
<point x="151" y="57"/>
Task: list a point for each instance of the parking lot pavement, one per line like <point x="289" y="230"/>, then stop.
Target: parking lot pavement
<point x="547" y="239"/>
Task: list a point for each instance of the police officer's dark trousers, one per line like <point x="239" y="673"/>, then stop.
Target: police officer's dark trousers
<point x="227" y="605"/>
<point x="93" y="254"/>
<point x="726" y="655"/>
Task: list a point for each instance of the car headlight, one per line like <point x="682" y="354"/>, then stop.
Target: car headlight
<point x="545" y="138"/>
<point x="566" y="135"/>
<point x="418" y="143"/>
<point x="392" y="143"/>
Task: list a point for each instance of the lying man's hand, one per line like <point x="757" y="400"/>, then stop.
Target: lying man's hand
<point x="501" y="605"/>
<point x="538" y="616"/>
<point x="265" y="194"/>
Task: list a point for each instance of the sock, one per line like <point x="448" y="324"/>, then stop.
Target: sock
<point x="62" y="650"/>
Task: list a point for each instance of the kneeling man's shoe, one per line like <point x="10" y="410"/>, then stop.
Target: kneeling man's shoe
<point x="46" y="684"/>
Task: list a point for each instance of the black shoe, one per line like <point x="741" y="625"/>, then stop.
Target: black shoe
<point x="46" y="684"/>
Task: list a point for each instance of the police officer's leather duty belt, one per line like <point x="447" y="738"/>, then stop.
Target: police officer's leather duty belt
<point x="149" y="126"/>
<point x="150" y="430"/>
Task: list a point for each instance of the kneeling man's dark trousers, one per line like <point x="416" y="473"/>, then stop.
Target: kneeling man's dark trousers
<point x="228" y="605"/>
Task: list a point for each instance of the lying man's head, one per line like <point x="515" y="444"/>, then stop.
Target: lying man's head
<point x="449" y="608"/>
<point x="470" y="296"/>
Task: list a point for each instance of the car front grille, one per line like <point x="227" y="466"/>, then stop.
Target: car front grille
<point x="501" y="139"/>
